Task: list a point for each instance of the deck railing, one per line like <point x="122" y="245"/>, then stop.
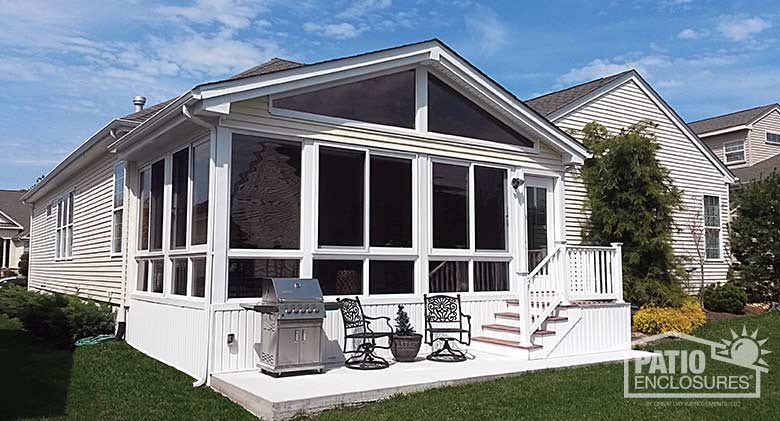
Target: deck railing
<point x="569" y="273"/>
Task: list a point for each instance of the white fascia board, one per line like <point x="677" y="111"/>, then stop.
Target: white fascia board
<point x="724" y="131"/>
<point x="650" y="93"/>
<point x="12" y="220"/>
<point x="144" y="129"/>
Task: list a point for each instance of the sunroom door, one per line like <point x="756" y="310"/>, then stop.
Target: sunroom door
<point x="540" y="221"/>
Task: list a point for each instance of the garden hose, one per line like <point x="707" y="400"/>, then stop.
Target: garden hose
<point x="93" y="340"/>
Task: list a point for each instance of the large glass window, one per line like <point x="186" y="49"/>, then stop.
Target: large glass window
<point x="391" y="202"/>
<point x="391" y="277"/>
<point x="156" y="206"/>
<point x="199" y="277"/>
<point x="245" y="276"/>
<point x="118" y="212"/>
<point x="180" y="182"/>
<point x="388" y="100"/>
<point x="448" y="276"/>
<point x="265" y="201"/>
<point x="339" y="277"/>
<point x="200" y="192"/>
<point x="341" y="193"/>
<point x="490" y="208"/>
<point x="145" y="199"/>
<point x="712" y="227"/>
<point x="450" y="206"/>
<point x="180" y="276"/>
<point x="158" y="275"/>
<point x="450" y="112"/>
<point x="491" y="276"/>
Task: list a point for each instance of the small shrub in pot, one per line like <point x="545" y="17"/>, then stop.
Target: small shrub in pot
<point x="406" y="343"/>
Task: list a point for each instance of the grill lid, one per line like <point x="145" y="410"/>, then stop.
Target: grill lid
<point x="282" y="290"/>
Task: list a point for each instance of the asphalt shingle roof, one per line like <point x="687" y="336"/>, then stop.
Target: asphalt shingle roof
<point x="554" y="101"/>
<point x="11" y="205"/>
<point x="759" y="170"/>
<point x="737" y="118"/>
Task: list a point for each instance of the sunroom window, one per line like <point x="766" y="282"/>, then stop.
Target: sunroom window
<point x="450" y="206"/>
<point x="391" y="202"/>
<point x="387" y="100"/>
<point x="341" y="192"/>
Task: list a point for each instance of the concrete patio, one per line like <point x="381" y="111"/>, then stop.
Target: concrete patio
<point x="280" y="398"/>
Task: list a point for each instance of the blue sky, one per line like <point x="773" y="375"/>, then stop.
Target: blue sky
<point x="65" y="71"/>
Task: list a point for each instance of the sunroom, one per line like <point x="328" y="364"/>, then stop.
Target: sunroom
<point x="386" y="176"/>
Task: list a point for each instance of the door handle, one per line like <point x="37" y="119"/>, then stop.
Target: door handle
<point x="303" y="333"/>
<point x="296" y="336"/>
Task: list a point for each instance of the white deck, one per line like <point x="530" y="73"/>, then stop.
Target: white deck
<point x="279" y="398"/>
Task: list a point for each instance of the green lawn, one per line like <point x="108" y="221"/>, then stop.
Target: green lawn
<point x="112" y="381"/>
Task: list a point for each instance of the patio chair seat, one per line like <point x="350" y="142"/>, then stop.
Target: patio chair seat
<point x="447" y="330"/>
<point x="368" y="335"/>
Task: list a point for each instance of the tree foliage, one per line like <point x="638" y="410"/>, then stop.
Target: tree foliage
<point x="631" y="200"/>
<point x="755" y="238"/>
<point x="24" y="263"/>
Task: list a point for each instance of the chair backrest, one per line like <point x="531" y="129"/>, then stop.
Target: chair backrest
<point x="352" y="313"/>
<point x="442" y="308"/>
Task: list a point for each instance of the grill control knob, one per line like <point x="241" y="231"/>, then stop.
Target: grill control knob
<point x="287" y="310"/>
<point x="309" y="310"/>
<point x="296" y="310"/>
<point x="316" y="310"/>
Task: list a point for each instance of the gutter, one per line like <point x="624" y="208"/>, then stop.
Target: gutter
<point x="209" y="308"/>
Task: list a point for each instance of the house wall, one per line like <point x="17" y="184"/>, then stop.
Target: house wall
<point x="91" y="272"/>
<point x="690" y="171"/>
<point x="759" y="148"/>
<point x="715" y="143"/>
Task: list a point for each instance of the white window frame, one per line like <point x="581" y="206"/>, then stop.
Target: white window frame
<point x="706" y="227"/>
<point x="167" y="253"/>
<point x="726" y="152"/>
<point x="114" y="251"/>
<point x="772" y="142"/>
<point x="421" y="112"/>
<point x="63" y="231"/>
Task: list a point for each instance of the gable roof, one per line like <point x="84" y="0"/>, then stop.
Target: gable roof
<point x="759" y="170"/>
<point x="11" y="206"/>
<point x="548" y="104"/>
<point x="570" y="99"/>
<point x="735" y="119"/>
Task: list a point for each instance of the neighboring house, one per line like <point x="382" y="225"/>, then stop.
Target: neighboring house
<point x="619" y="101"/>
<point x="386" y="175"/>
<point x="747" y="141"/>
<point x="14" y="229"/>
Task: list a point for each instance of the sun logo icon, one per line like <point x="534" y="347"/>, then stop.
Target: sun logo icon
<point x="745" y="350"/>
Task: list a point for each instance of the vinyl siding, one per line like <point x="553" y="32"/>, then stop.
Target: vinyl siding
<point x="759" y="149"/>
<point x="715" y="143"/>
<point x="91" y="272"/>
<point x="689" y="169"/>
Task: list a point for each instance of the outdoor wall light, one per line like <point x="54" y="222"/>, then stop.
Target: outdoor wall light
<point x="516" y="183"/>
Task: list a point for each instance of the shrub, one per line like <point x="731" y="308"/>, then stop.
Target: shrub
<point x="727" y="298"/>
<point x="14" y="298"/>
<point x="45" y="319"/>
<point x="87" y="318"/>
<point x="686" y="319"/>
<point x="24" y="263"/>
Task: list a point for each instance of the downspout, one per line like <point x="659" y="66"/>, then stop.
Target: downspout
<point x="208" y="299"/>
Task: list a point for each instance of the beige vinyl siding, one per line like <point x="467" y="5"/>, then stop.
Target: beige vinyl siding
<point x="690" y="170"/>
<point x="254" y="114"/>
<point x="91" y="271"/>
<point x="759" y="149"/>
<point x="715" y="143"/>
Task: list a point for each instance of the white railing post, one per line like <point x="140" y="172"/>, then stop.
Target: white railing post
<point x="563" y="270"/>
<point x="524" y="308"/>
<point x="617" y="271"/>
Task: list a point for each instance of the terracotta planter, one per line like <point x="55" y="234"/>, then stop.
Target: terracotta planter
<point x="405" y="348"/>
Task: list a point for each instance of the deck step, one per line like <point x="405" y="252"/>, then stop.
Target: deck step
<point x="504" y="342"/>
<point x="514" y="329"/>
<point x="516" y="302"/>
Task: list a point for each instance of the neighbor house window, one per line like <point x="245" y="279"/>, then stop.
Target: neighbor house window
<point x="63" y="246"/>
<point x="734" y="151"/>
<point x="712" y="227"/>
<point x="118" y="212"/>
<point x="773" y="138"/>
<point x="387" y="100"/>
<point x="464" y="258"/>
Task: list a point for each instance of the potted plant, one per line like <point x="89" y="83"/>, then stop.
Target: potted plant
<point x="406" y="343"/>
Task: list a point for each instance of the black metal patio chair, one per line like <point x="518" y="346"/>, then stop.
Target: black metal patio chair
<point x="443" y="316"/>
<point x="357" y="326"/>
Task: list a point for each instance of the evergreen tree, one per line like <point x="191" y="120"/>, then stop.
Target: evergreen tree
<point x="631" y="200"/>
<point x="402" y="325"/>
<point x="755" y="238"/>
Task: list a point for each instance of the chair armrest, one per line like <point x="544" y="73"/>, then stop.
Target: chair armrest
<point x="385" y="318"/>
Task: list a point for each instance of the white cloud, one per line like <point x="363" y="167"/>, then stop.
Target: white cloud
<point x="231" y="14"/>
<point x="363" y="7"/>
<point x="488" y="32"/>
<point x="342" y="30"/>
<point x="741" y="28"/>
<point x="689" y="33"/>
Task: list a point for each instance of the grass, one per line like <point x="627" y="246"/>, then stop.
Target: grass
<point x="110" y="381"/>
<point x="594" y="392"/>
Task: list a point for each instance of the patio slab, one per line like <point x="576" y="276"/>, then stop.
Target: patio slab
<point x="280" y="398"/>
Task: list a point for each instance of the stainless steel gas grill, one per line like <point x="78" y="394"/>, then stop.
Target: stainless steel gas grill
<point x="291" y="330"/>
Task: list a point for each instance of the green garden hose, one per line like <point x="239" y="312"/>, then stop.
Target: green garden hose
<point x="93" y="340"/>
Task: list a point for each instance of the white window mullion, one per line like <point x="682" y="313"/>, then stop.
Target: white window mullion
<point x="421" y="100"/>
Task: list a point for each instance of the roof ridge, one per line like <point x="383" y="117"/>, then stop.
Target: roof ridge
<point x="734" y="112"/>
<point x="581" y="84"/>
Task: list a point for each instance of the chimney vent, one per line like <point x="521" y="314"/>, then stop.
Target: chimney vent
<point x="139" y="102"/>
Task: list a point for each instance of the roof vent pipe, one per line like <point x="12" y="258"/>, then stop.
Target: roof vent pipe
<point x="139" y="102"/>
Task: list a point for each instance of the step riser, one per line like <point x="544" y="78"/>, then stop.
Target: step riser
<point x="509" y="321"/>
<point x="500" y="349"/>
<point x="501" y="334"/>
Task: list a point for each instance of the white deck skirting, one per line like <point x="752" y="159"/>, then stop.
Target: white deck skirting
<point x="280" y="398"/>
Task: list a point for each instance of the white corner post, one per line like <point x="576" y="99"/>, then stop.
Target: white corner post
<point x="524" y="308"/>
<point x="563" y="270"/>
<point x="617" y="271"/>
